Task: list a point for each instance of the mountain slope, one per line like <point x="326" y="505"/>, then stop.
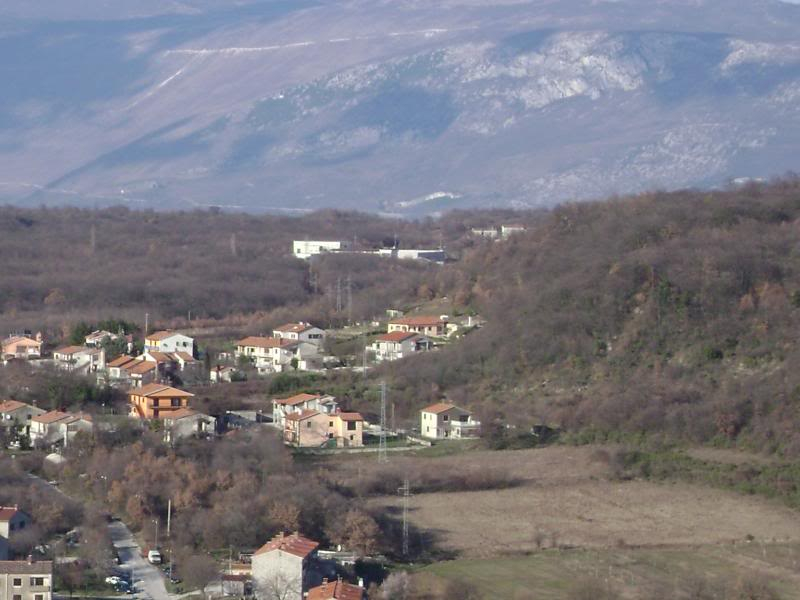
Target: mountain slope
<point x="378" y="105"/>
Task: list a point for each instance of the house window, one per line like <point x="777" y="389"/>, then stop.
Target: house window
<point x="17" y="582"/>
<point x="308" y="424"/>
<point x="176" y="402"/>
<point x="445" y="418"/>
<point x="37" y="581"/>
<point x="330" y="436"/>
<point x="17" y="597"/>
<point x="330" y="423"/>
<point x="351" y="426"/>
<point x="38" y="597"/>
<point x="155" y="413"/>
<point x="352" y="437"/>
<point x="155" y="402"/>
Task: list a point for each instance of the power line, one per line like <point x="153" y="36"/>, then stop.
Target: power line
<point x="382" y="454"/>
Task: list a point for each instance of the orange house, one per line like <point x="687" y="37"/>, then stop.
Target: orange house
<point x="157" y="401"/>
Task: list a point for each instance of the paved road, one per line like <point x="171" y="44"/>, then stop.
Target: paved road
<point x="148" y="582"/>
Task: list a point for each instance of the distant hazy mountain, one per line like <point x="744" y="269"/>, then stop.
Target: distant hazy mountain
<point x="402" y="106"/>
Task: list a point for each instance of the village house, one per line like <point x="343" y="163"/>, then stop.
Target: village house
<point x="169" y="341"/>
<point x="399" y="344"/>
<point x="157" y="401"/>
<point x="424" y="325"/>
<point x="447" y="421"/>
<point x="300" y="402"/>
<point x="223" y="374"/>
<point x="81" y="359"/>
<point x="301" y="332"/>
<point x="13" y="521"/>
<point x="282" y="568"/>
<point x="186" y="422"/>
<point x="26" y="580"/>
<point x="274" y="354"/>
<point x="14" y="414"/>
<point x="486" y="232"/>
<point x="57" y="427"/>
<point x="336" y="590"/>
<point x="96" y="338"/>
<point x="314" y="429"/>
<point x="22" y="346"/>
<point x="509" y="230"/>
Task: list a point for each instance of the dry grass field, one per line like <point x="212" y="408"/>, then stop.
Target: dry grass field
<point x="566" y="519"/>
<point x="565" y="499"/>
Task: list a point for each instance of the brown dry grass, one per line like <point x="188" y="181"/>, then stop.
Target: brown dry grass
<point x="565" y="499"/>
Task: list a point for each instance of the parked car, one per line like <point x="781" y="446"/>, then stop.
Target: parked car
<point x="114" y="580"/>
<point x="154" y="557"/>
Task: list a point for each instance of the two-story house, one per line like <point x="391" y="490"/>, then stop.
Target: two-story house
<point x="56" y="427"/>
<point x="157" y="401"/>
<point x="22" y="346"/>
<point x="399" y="344"/>
<point x="13" y="521"/>
<point x="14" y="414"/>
<point x="186" y="422"/>
<point x="314" y="429"/>
<point x="424" y="325"/>
<point x="275" y="354"/>
<point x="300" y="402"/>
<point x="301" y="332"/>
<point x="281" y="567"/>
<point x="169" y="341"/>
<point x="26" y="580"/>
<point x="336" y="590"/>
<point x="82" y="359"/>
<point x="447" y="421"/>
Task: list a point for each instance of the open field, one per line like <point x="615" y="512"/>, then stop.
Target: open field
<point x="642" y="574"/>
<point x="563" y="498"/>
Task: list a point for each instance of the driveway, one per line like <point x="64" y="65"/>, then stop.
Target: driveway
<point x="147" y="579"/>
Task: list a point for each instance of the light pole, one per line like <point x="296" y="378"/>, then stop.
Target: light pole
<point x="155" y="546"/>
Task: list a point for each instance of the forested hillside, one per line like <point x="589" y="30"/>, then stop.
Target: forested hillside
<point x="665" y="312"/>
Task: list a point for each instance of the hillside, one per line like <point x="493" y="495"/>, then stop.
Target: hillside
<point x="673" y="313"/>
<point x="402" y="107"/>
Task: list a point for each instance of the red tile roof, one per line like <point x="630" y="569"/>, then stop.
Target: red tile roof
<point x="302" y="415"/>
<point x="120" y="361"/>
<point x="297" y="399"/>
<point x="336" y="590"/>
<point x="157" y="336"/>
<point x="7" y="513"/>
<point x="265" y="342"/>
<point x="23" y="567"/>
<point x="140" y="367"/>
<point x="350" y="416"/>
<point x="397" y="336"/>
<point x="294" y="544"/>
<point x="8" y="406"/>
<point x="51" y="417"/>
<point x="294" y="327"/>
<point x="70" y="350"/>
<point x="180" y="413"/>
<point x="420" y="321"/>
<point x="157" y="390"/>
<point x="441" y="407"/>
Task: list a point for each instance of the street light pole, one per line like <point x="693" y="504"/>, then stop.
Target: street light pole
<point x="155" y="547"/>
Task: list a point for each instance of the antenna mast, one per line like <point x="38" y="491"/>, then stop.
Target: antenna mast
<point x="382" y="455"/>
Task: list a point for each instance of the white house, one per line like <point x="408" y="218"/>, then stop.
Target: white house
<point x="58" y="427"/>
<point x="298" y="403"/>
<point x="274" y="354"/>
<point x="82" y="359"/>
<point x="26" y="579"/>
<point x="302" y="332"/>
<point x="281" y="567"/>
<point x="424" y="325"/>
<point x="169" y="341"/>
<point x="305" y="249"/>
<point x="186" y="422"/>
<point x="96" y="338"/>
<point x="18" y="414"/>
<point x="447" y="421"/>
<point x="13" y="521"/>
<point x="399" y="344"/>
<point x="509" y="230"/>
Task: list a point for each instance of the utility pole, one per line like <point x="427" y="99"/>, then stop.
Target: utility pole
<point x="338" y="295"/>
<point x="155" y="546"/>
<point x="382" y="454"/>
<point x="365" y="356"/>
<point x="405" y="492"/>
<point x="146" y="323"/>
<point x="93" y="239"/>
<point x="349" y="300"/>
<point x="169" y="515"/>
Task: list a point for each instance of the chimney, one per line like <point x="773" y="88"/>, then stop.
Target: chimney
<point x="31" y="559"/>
